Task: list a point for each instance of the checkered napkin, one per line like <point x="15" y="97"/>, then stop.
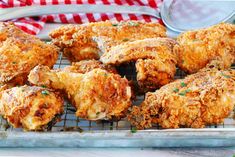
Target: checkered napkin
<point x="33" y="25"/>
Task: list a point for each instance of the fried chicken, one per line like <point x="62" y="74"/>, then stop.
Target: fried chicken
<point x="30" y="107"/>
<point x="96" y="95"/>
<point x="154" y="57"/>
<point x="203" y="98"/>
<point x="76" y="41"/>
<point x="21" y="52"/>
<point x="85" y="66"/>
<point x="196" y="49"/>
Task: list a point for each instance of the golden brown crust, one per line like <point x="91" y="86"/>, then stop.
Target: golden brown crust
<point x="20" y="52"/>
<point x="76" y="41"/>
<point x="85" y="66"/>
<point x="96" y="95"/>
<point x="155" y="60"/>
<point x="197" y="48"/>
<point x="204" y="98"/>
<point x="154" y="73"/>
<point x="30" y="107"/>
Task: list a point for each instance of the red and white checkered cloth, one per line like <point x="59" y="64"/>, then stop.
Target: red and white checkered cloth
<point x="33" y="25"/>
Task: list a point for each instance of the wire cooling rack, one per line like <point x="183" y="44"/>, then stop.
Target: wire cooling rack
<point x="69" y="122"/>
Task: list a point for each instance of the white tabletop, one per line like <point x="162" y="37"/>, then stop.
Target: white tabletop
<point x="117" y="152"/>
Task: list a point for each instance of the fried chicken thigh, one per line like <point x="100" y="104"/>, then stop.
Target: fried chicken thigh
<point x="76" y="41"/>
<point x="203" y="98"/>
<point x="30" y="107"/>
<point x="21" y="52"/>
<point x="96" y="94"/>
<point x="196" y="49"/>
<point x="154" y="57"/>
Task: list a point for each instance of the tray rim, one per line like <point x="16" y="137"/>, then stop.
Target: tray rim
<point x="184" y="137"/>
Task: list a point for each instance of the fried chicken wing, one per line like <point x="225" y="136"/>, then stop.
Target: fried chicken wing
<point x="197" y="48"/>
<point x="30" y="107"/>
<point x="76" y="41"/>
<point x="96" y="94"/>
<point x="154" y="57"/>
<point x="85" y="66"/>
<point x="203" y="98"/>
<point x="21" y="52"/>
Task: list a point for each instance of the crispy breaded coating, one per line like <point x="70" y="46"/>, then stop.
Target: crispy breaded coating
<point x="76" y="41"/>
<point x="30" y="107"/>
<point x="197" y="48"/>
<point x="154" y="57"/>
<point x="85" y="66"/>
<point x="21" y="52"/>
<point x="203" y="98"/>
<point x="96" y="95"/>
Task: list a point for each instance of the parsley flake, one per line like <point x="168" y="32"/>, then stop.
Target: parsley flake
<point x="13" y="62"/>
<point x="182" y="84"/>
<point x="45" y="92"/>
<point x="183" y="93"/>
<point x="111" y="127"/>
<point x="133" y="130"/>
<point x="175" y="90"/>
<point x="114" y="24"/>
<point x="133" y="24"/>
<point x="226" y="76"/>
<point x="44" y="86"/>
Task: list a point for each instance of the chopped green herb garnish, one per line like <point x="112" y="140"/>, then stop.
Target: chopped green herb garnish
<point x="114" y="24"/>
<point x="97" y="113"/>
<point x="13" y="62"/>
<point x="44" y="86"/>
<point x="183" y="93"/>
<point x="133" y="130"/>
<point x="133" y="23"/>
<point x="182" y="84"/>
<point x="111" y="127"/>
<point x="125" y="39"/>
<point x="175" y="90"/>
<point x="226" y="76"/>
<point x="187" y="90"/>
<point x="45" y="92"/>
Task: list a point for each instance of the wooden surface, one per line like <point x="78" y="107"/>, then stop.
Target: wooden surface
<point x="117" y="152"/>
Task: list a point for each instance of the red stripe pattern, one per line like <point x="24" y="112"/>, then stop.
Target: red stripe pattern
<point x="33" y="25"/>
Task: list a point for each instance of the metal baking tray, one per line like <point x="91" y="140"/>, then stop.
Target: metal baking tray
<point x="75" y="132"/>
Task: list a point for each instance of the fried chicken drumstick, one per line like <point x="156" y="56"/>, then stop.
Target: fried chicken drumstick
<point x="76" y="41"/>
<point x="203" y="98"/>
<point x="21" y="52"/>
<point x="196" y="49"/>
<point x="30" y="107"/>
<point x="97" y="94"/>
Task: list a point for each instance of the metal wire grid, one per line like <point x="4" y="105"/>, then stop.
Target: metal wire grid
<point x="69" y="122"/>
